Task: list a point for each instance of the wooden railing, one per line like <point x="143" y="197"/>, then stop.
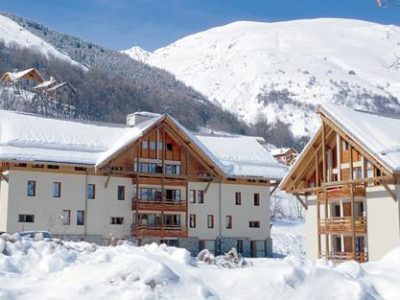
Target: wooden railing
<point x="342" y="225"/>
<point x="167" y="205"/>
<point x="343" y="256"/>
<point x="341" y="192"/>
<point x="178" y="231"/>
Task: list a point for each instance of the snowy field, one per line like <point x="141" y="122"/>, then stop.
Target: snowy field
<point x="39" y="269"/>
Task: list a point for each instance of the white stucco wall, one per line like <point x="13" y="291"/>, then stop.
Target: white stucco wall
<point x="241" y="214"/>
<point x="47" y="210"/>
<point x="311" y="229"/>
<point x="383" y="215"/>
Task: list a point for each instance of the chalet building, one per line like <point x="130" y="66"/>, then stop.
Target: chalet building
<point x="149" y="180"/>
<point x="347" y="178"/>
<point x="25" y="80"/>
<point x="286" y="156"/>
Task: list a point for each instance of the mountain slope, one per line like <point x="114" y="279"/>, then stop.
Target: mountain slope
<point x="284" y="69"/>
<point x="115" y="84"/>
<point x="13" y="34"/>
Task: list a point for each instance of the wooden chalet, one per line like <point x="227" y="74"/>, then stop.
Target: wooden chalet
<point x="346" y="178"/>
<point x="25" y="79"/>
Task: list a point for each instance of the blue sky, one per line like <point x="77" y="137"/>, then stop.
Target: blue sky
<point x="151" y="24"/>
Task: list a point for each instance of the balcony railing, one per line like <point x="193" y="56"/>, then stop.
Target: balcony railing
<point x="342" y="225"/>
<point x="177" y="231"/>
<point x="340" y="192"/>
<point x="343" y="256"/>
<point x="166" y="205"/>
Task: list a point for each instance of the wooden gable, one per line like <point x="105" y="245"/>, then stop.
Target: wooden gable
<point x="333" y="157"/>
<point x="165" y="142"/>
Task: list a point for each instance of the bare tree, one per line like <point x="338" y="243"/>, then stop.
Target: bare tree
<point x="386" y="3"/>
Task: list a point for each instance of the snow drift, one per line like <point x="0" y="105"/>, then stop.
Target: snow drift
<point x="52" y="269"/>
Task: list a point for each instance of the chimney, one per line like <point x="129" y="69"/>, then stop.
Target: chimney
<point x="139" y="117"/>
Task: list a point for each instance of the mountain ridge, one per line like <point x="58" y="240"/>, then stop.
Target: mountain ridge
<point x="281" y="70"/>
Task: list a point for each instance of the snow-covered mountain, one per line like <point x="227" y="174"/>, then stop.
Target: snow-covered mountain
<point x="11" y="33"/>
<point x="284" y="69"/>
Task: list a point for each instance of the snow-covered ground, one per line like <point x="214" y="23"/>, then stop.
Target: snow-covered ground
<point x="288" y="238"/>
<point x="79" y="270"/>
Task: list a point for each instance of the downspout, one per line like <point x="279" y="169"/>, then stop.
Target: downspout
<point x="85" y="214"/>
<point x="220" y="216"/>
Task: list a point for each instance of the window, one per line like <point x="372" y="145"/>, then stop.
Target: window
<point x="56" y="189"/>
<point x="26" y="218"/>
<point x="172" y="169"/>
<point x="254" y="224"/>
<point x="21" y="165"/>
<point x="173" y="195"/>
<point x="357" y="172"/>
<point x="210" y="221"/>
<point x="207" y="244"/>
<point x="192" y="196"/>
<point x="256" y="199"/>
<point x="239" y="246"/>
<point x="66" y="217"/>
<point x="257" y="248"/>
<point x="80" y="217"/>
<point x="238" y="198"/>
<point x="345" y="146"/>
<point x="117" y="220"/>
<point x="169" y="146"/>
<point x="200" y="196"/>
<point x="192" y="221"/>
<point x="53" y="167"/>
<point x="152" y="145"/>
<point x="91" y="191"/>
<point x="145" y="145"/>
<point x="80" y="169"/>
<point x="172" y="220"/>
<point x="31" y="188"/>
<point x="121" y="192"/>
<point x="37" y="166"/>
<point x="228" y="222"/>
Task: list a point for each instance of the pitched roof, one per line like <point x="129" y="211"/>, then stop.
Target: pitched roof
<point x="27" y="137"/>
<point x="45" y="84"/>
<point x="15" y="76"/>
<point x="243" y="156"/>
<point x="377" y="134"/>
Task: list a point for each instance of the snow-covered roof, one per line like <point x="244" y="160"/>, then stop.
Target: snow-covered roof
<point x="280" y="151"/>
<point x="45" y="84"/>
<point x="27" y="137"/>
<point x="242" y="156"/>
<point x="379" y="135"/>
<point x="15" y="76"/>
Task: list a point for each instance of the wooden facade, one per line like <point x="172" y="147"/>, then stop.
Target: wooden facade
<point x="335" y="170"/>
<point x="161" y="163"/>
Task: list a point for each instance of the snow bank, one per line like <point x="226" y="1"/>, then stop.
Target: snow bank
<point x="52" y="269"/>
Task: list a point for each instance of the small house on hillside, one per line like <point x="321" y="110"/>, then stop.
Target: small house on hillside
<point x="63" y="92"/>
<point x="26" y="79"/>
<point x="348" y="180"/>
<point x="286" y="156"/>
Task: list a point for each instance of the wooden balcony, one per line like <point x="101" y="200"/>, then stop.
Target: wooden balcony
<point x="171" y="231"/>
<point x="340" y="192"/>
<point x="167" y="205"/>
<point x="340" y="225"/>
<point x="344" y="256"/>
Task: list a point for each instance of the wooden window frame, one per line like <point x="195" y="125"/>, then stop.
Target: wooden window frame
<point x="200" y="199"/>
<point x="94" y="191"/>
<point x="119" y="193"/>
<point x="192" y="221"/>
<point x="22" y="218"/>
<point x="78" y="212"/>
<point x="68" y="211"/>
<point x="228" y="222"/>
<point x="254" y="224"/>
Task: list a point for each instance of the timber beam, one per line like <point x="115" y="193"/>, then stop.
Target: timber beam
<point x="390" y="192"/>
<point x="303" y="203"/>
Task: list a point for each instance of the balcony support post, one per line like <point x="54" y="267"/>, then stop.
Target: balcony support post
<point x="353" y="211"/>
